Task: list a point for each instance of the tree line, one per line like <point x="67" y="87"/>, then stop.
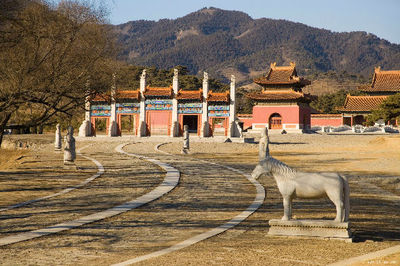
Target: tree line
<point x="48" y="52"/>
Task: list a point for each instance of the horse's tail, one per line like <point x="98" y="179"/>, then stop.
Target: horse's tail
<point x="346" y="195"/>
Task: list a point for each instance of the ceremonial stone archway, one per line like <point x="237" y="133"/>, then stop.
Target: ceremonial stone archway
<point x="162" y="110"/>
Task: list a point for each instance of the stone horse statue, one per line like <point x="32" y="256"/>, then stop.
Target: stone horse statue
<point x="293" y="184"/>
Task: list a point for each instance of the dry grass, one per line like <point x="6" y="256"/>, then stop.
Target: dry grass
<point x="207" y="197"/>
<point x="10" y="159"/>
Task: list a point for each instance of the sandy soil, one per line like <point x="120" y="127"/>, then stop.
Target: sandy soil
<point x="207" y="196"/>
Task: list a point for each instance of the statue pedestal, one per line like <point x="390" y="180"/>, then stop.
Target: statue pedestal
<point x="311" y="228"/>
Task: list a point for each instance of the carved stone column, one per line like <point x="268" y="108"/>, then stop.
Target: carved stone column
<point x="85" y="130"/>
<point x="113" y="127"/>
<point x="204" y="118"/>
<point x="175" y="123"/>
<point x="234" y="130"/>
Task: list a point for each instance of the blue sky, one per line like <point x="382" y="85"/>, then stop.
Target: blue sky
<point x="380" y="17"/>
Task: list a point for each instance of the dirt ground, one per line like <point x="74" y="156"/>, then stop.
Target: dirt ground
<point x="206" y="197"/>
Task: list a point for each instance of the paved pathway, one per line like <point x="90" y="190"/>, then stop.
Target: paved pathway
<point x="259" y="199"/>
<point x="170" y="182"/>
<point x="85" y="182"/>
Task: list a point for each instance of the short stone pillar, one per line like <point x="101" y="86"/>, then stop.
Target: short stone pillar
<point x="69" y="148"/>
<point x="206" y="129"/>
<point x="57" y="141"/>
<point x="185" y="149"/>
<point x="263" y="147"/>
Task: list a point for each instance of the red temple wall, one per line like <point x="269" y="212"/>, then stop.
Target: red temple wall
<point x="304" y="116"/>
<point x="289" y="114"/>
<point x="247" y="121"/>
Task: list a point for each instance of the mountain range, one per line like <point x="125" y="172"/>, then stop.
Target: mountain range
<point x="225" y="42"/>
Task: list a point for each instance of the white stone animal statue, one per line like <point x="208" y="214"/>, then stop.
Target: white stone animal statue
<point x="293" y="184"/>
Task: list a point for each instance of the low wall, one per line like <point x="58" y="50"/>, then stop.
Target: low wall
<point x="333" y="120"/>
<point x="246" y="119"/>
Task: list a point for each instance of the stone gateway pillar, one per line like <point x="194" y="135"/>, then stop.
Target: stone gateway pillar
<point x="234" y="129"/>
<point x="85" y="130"/>
<point x="113" y="128"/>
<point x="204" y="118"/>
<point x="175" y="123"/>
<point x="142" y="117"/>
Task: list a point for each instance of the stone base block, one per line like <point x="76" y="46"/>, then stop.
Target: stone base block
<point x="311" y="228"/>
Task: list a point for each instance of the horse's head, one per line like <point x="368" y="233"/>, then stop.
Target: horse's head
<point x="262" y="168"/>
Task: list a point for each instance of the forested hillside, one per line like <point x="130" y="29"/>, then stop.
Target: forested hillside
<point x="231" y="42"/>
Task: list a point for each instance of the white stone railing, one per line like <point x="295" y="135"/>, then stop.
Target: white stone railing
<point x="356" y="129"/>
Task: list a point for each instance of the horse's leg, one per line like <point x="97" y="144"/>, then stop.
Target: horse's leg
<point x="286" y="208"/>
<point x="290" y="207"/>
<point x="336" y="196"/>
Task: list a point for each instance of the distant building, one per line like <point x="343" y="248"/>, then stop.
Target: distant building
<point x="356" y="108"/>
<point x="281" y="105"/>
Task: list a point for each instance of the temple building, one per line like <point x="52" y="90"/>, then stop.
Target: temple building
<point x="281" y="104"/>
<point x="356" y="108"/>
<point x="163" y="111"/>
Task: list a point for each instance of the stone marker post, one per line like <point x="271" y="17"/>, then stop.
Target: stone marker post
<point x="69" y="148"/>
<point x="185" y="149"/>
<point x="57" y="142"/>
<point x="263" y="148"/>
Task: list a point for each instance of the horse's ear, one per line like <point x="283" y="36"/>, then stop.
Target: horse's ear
<point x="264" y="145"/>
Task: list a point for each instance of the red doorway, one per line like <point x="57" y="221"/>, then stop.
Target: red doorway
<point x="275" y="121"/>
<point x="192" y="120"/>
<point x="219" y="126"/>
<point x="159" y="122"/>
<point x="100" y="125"/>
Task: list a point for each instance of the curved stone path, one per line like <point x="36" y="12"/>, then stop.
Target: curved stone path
<point x="258" y="200"/>
<point x="64" y="191"/>
<point x="170" y="181"/>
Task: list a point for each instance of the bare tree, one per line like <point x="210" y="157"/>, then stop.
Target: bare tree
<point x="47" y="54"/>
